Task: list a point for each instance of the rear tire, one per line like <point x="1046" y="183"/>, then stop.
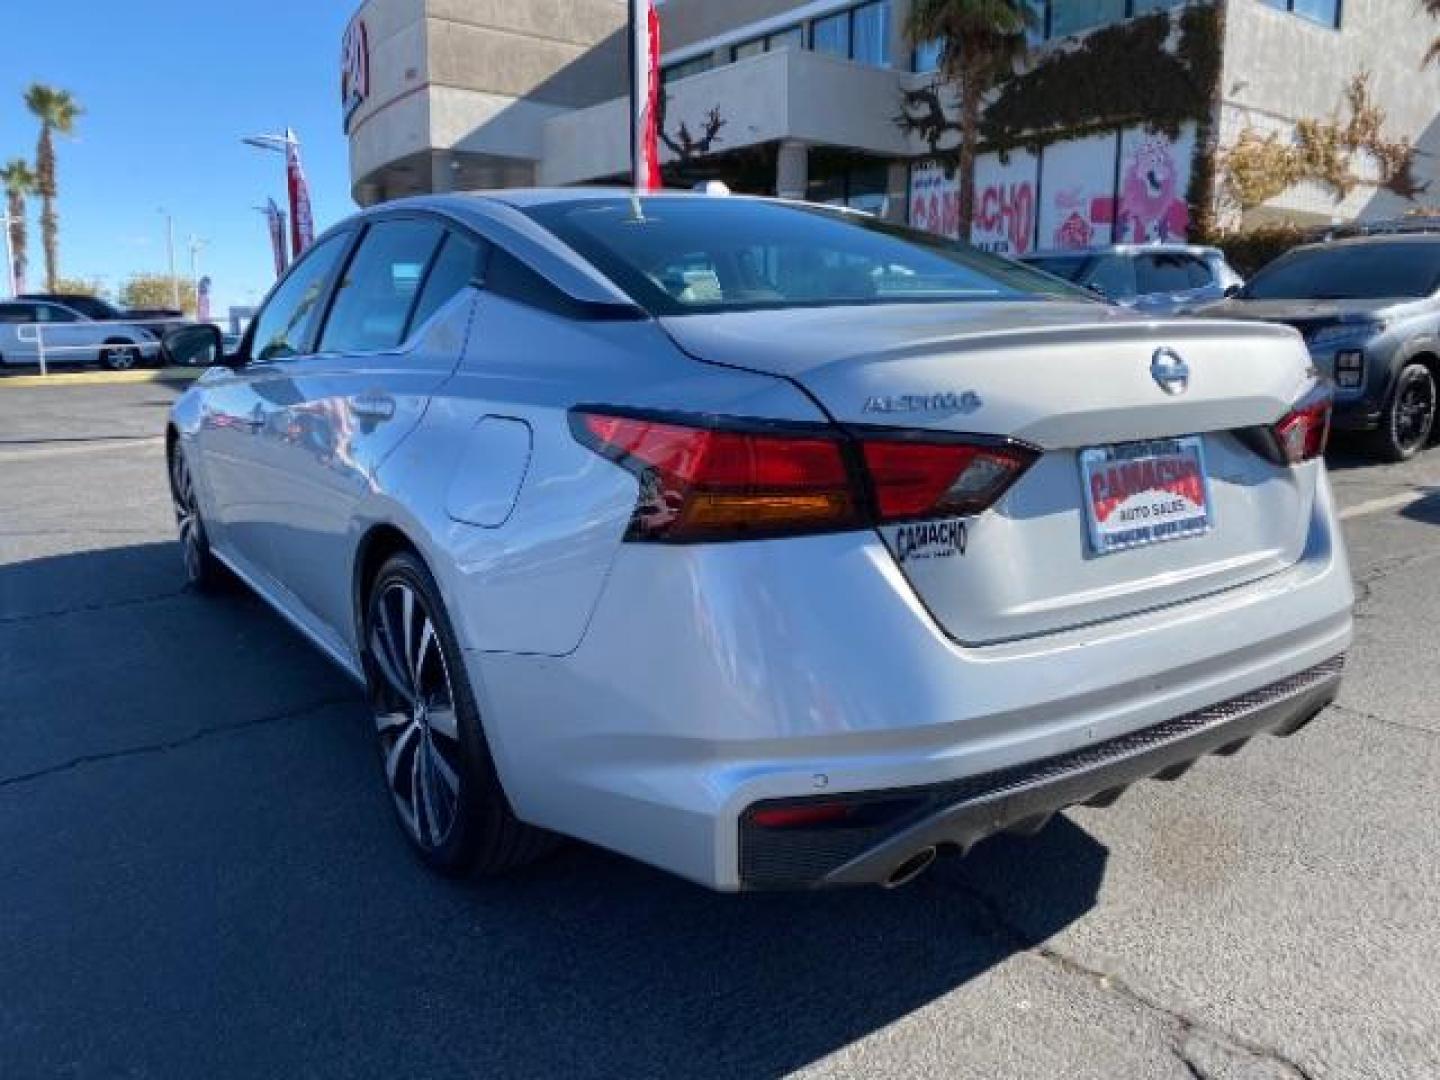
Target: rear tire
<point x="119" y="356"/>
<point x="434" y="757"/>
<point x="1409" y="420"/>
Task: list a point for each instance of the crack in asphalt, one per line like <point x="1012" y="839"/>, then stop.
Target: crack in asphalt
<point x="166" y="745"/>
<point x="1360" y="714"/>
<point x="1365" y="582"/>
<point x="86" y="609"/>
<point x="1183" y="1026"/>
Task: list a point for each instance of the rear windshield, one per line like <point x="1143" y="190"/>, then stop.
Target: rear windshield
<point x="1350" y="272"/>
<point x="674" y="256"/>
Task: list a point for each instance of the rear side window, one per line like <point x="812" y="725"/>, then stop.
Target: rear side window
<point x="380" y="285"/>
<point x="1199" y="271"/>
<point x="284" y="326"/>
<point x="1113" y="276"/>
<point x="456" y="266"/>
<point x="16" y="313"/>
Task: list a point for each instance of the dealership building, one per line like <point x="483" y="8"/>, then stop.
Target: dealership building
<point x="1121" y="125"/>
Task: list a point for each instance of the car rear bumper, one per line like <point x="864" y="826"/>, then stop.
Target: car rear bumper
<point x="1021" y="798"/>
<point x="713" y="678"/>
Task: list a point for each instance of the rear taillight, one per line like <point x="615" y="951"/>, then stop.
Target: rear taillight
<point x="912" y="479"/>
<point x="724" y="479"/>
<point x="1301" y="434"/>
<point x="708" y="483"/>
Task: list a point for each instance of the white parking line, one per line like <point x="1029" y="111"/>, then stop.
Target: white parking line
<point x="1389" y="502"/>
<point x="103" y="446"/>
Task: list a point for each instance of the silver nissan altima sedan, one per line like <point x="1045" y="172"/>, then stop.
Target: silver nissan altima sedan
<point x="770" y="544"/>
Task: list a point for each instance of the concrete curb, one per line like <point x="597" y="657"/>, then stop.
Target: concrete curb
<point x="91" y="378"/>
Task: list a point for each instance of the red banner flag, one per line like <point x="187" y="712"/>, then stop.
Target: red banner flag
<point x="302" y="226"/>
<point x="644" y="94"/>
<point x="276" y="219"/>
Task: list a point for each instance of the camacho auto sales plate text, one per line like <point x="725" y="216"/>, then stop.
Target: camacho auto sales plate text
<point x="1145" y="492"/>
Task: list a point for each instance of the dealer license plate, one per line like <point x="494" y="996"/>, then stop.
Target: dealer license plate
<point x="1145" y="493"/>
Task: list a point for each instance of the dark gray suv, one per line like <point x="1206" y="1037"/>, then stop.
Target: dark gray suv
<point x="1369" y="308"/>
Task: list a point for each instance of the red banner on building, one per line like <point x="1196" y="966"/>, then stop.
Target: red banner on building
<point x="644" y="94"/>
<point x="302" y="225"/>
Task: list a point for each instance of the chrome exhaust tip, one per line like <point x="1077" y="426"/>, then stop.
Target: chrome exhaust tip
<point x="911" y="868"/>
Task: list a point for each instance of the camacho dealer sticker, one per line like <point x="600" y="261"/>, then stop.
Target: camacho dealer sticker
<point x="931" y="540"/>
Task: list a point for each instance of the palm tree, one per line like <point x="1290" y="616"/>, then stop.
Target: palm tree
<point x="56" y="110"/>
<point x="19" y="182"/>
<point x="980" y="41"/>
<point x="1432" y="8"/>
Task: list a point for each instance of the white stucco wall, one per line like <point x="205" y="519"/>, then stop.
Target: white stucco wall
<point x="1279" y="68"/>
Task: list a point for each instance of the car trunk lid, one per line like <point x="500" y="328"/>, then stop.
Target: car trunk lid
<point x="1065" y="379"/>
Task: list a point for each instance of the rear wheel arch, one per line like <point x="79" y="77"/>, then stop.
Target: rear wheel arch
<point x="378" y="544"/>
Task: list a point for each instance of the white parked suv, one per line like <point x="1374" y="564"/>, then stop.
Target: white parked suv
<point x="771" y="544"/>
<point x="68" y="337"/>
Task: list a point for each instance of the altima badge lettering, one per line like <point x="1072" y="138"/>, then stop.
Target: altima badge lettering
<point x="966" y="401"/>
<point x="931" y="540"/>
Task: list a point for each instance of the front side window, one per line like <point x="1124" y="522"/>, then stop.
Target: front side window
<point x="749" y="48"/>
<point x="1369" y="271"/>
<point x="378" y="289"/>
<point x="683" y="255"/>
<point x="285" y="325"/>
<point x="793" y="38"/>
<point x="16" y="314"/>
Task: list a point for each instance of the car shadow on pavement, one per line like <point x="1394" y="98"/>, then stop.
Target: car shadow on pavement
<point x="204" y="879"/>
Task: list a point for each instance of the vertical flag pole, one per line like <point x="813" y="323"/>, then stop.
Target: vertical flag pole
<point x="644" y="95"/>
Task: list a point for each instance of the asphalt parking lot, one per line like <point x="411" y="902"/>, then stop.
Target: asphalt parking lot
<point x="202" y="879"/>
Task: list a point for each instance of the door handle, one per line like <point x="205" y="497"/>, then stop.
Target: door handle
<point x="372" y="406"/>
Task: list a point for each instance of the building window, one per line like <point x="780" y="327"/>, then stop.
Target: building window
<point x="831" y="35"/>
<point x="1324" y="12"/>
<point x="860" y="187"/>
<point x="927" y="56"/>
<point x="1073" y="16"/>
<point x="748" y="48"/>
<point x="686" y="68"/>
<point x="870" y="34"/>
<point x="793" y="38"/>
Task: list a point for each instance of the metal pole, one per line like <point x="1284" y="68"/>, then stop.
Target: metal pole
<point x="8" y="221"/>
<point x="170" y="247"/>
<point x="40" y="347"/>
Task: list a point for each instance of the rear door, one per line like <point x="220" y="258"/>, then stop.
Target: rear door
<point x="394" y="333"/>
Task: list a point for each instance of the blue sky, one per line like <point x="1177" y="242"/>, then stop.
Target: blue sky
<point x="169" y="88"/>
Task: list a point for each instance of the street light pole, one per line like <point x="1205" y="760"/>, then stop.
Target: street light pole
<point x="170" y="249"/>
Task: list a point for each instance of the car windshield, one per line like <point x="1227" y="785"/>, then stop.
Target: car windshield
<point x="1350" y="272"/>
<point x="675" y="256"/>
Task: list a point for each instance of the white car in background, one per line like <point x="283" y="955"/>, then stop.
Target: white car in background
<point x="771" y="544"/>
<point x="69" y="337"/>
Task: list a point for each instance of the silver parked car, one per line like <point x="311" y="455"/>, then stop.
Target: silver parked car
<point x="68" y="337"/>
<point x="1157" y="279"/>
<point x="774" y="545"/>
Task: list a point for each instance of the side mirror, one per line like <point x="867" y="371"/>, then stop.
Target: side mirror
<point x="195" y="345"/>
<point x="1232" y="291"/>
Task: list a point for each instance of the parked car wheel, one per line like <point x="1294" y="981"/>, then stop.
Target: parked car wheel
<point x="1408" y="422"/>
<point x="119" y="356"/>
<point x="202" y="569"/>
<point x="437" y="764"/>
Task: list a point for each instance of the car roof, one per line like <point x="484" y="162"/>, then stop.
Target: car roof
<point x="1375" y="239"/>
